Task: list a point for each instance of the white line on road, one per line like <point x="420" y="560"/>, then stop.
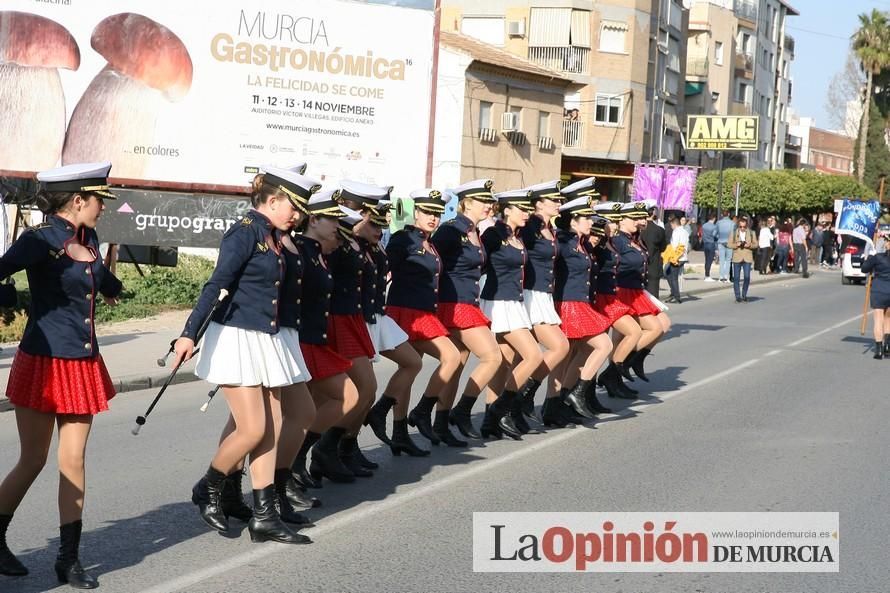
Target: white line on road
<point x="348" y="517"/>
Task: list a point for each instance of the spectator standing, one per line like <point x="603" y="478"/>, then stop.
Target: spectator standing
<point x="709" y="244"/>
<point x="765" y="244"/>
<point x="783" y="246"/>
<point x="679" y="255"/>
<point x="655" y="240"/>
<point x="725" y="226"/>
<point x="799" y="240"/>
<point x="816" y="241"/>
<point x="828" y="238"/>
<point x="742" y="242"/>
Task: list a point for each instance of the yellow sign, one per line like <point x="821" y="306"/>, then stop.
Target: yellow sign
<point x="722" y="132"/>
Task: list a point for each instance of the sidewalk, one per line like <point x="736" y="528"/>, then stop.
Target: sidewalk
<point x="131" y="348"/>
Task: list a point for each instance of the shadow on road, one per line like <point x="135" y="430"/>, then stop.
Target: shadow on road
<point x="682" y="329"/>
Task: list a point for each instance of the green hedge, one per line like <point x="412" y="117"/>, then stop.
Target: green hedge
<point x="162" y="289"/>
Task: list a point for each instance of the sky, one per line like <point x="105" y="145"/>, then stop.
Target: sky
<point x="822" y="40"/>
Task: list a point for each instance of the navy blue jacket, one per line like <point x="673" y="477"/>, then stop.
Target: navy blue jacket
<point x="572" y="270"/>
<point x="462" y="262"/>
<point x="347" y="265"/>
<point x="315" y="302"/>
<point x="594" y="269"/>
<point x="879" y="266"/>
<point x="250" y="269"/>
<point x="415" y="271"/>
<point x="376" y="269"/>
<point x="63" y="291"/>
<point x="632" y="263"/>
<point x="541" y="255"/>
<point x="505" y="267"/>
<point x="292" y="291"/>
<point x="607" y="263"/>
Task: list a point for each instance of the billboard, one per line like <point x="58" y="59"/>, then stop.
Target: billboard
<point x="201" y="93"/>
<point x="722" y="132"/>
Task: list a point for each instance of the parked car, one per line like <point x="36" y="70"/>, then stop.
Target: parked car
<point x="851" y="262"/>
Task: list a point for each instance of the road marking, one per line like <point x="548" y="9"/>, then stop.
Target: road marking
<point x="344" y="518"/>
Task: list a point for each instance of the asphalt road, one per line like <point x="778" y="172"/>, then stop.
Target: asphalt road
<point x="774" y="405"/>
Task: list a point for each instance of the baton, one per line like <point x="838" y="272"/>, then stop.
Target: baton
<point x="140" y="420"/>
<point x="210" y="395"/>
<point x="162" y="362"/>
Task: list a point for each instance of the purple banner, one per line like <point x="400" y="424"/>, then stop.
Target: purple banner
<point x="670" y="186"/>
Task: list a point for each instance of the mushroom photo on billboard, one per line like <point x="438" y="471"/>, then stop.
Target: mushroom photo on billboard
<point x="32" y="103"/>
<point x="148" y="68"/>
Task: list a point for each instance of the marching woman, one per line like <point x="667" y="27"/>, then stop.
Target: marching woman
<point x="390" y="341"/>
<point x="585" y="328"/>
<point x="411" y="302"/>
<point x="539" y="238"/>
<point x="458" y="244"/>
<point x="878" y="264"/>
<point x="348" y="336"/>
<point x="59" y="381"/>
<point x="244" y="352"/>
<point x="334" y="393"/>
<point x="502" y="303"/>
<point x="626" y="331"/>
<point x="630" y="277"/>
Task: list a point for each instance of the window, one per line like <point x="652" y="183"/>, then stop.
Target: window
<point x="765" y="59"/>
<point x="743" y="93"/>
<point x="718" y="53"/>
<point x="769" y="106"/>
<point x="745" y="43"/>
<point x="484" y="114"/>
<point x="612" y="36"/>
<point x="543" y="124"/>
<point x="489" y="30"/>
<point x="608" y="110"/>
<point x="559" y="27"/>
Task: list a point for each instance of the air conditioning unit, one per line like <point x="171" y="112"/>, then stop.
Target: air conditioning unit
<point x="488" y="134"/>
<point x="510" y="122"/>
<point x="545" y="143"/>
<point x="516" y="28"/>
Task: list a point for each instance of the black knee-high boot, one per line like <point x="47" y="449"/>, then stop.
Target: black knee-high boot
<point x="9" y="564"/>
<point x="879" y="350"/>
<point x="420" y="418"/>
<point x="461" y="417"/>
<point x="207" y="494"/>
<point x="350" y="455"/>
<point x="68" y="567"/>
<point x="575" y="398"/>
<point x="497" y="414"/>
<point x="592" y="402"/>
<point x="635" y="361"/>
<point x="285" y="487"/>
<point x="401" y="441"/>
<point x="266" y="524"/>
<point x="440" y="428"/>
<point x="376" y="417"/>
<point x="232" y="499"/>
<point x="527" y="397"/>
<point x="301" y="474"/>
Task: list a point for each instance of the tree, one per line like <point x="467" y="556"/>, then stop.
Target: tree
<point x="845" y="86"/>
<point x="871" y="42"/>
<point x="877" y="155"/>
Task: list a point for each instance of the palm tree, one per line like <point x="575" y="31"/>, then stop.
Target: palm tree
<point x="871" y="42"/>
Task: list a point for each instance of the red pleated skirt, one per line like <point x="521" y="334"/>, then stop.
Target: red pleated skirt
<point x="636" y="299"/>
<point x="461" y="316"/>
<point x="323" y="362"/>
<point x="59" y="385"/>
<point x="612" y="307"/>
<point x="348" y="336"/>
<point x="419" y="325"/>
<point x="580" y="320"/>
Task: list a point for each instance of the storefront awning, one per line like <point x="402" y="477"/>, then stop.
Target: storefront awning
<point x="694" y="88"/>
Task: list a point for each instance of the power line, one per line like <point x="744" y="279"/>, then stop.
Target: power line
<point x="817" y="33"/>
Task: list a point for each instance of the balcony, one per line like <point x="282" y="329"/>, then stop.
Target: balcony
<point x="744" y="62"/>
<point x="789" y="45"/>
<point x="697" y="67"/>
<point x="745" y="9"/>
<point x="572" y="60"/>
<point x="793" y="142"/>
<point x="740" y="108"/>
<point x="572" y="133"/>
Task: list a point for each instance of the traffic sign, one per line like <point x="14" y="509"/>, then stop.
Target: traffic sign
<point x="722" y="132"/>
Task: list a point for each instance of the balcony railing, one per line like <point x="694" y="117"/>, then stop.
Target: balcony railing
<point x="745" y="9"/>
<point x="697" y="67"/>
<point x="792" y="141"/>
<point x="573" y="60"/>
<point x="572" y="133"/>
<point x="740" y="108"/>
<point x="744" y="61"/>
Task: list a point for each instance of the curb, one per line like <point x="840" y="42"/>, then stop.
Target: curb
<point x="768" y="280"/>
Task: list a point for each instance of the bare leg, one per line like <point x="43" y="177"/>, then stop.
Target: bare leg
<point x="74" y="430"/>
<point x="249" y="413"/>
<point x="334" y="397"/>
<point x="264" y="455"/>
<point x="556" y="345"/>
<point x="450" y="392"/>
<point x="500" y="379"/>
<point x="35" y="436"/>
<point x="523" y="342"/>
<point x="409" y="364"/>
<point x="652" y="331"/>
<point x="630" y="334"/>
<point x="362" y="375"/>
<point x="481" y="342"/>
<point x="297" y="415"/>
<point x="878" y="327"/>
<point x="442" y="349"/>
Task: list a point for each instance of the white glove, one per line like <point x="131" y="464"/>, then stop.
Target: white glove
<point x="870" y="250"/>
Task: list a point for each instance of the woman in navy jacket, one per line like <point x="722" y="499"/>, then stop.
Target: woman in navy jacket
<point x="58" y="376"/>
<point x="458" y="244"/>
<point x="502" y="302"/>
<point x="878" y="264"/>
<point x="244" y="352"/>
<point x="585" y="328"/>
<point x="412" y="299"/>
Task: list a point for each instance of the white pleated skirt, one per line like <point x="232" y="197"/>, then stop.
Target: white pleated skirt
<point x="540" y="307"/>
<point x="505" y="315"/>
<point x="385" y="335"/>
<point x="235" y="356"/>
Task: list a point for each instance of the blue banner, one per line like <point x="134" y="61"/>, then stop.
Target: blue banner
<point x="859" y="219"/>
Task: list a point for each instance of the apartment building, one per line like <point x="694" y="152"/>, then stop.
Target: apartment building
<point x="809" y="147"/>
<point x="739" y="63"/>
<point x="498" y="116"/>
<point x="625" y="101"/>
